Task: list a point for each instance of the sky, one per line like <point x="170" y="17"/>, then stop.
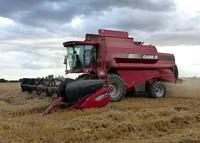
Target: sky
<point x="32" y="31"/>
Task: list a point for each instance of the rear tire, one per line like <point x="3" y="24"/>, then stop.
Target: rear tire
<point x="157" y="90"/>
<point x="117" y="87"/>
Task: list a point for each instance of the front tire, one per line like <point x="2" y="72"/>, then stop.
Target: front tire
<point x="116" y="87"/>
<point x="157" y="90"/>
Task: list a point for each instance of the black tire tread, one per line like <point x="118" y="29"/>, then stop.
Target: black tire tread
<point x="115" y="76"/>
<point x="152" y="89"/>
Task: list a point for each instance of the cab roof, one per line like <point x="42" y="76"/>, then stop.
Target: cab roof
<point x="70" y="43"/>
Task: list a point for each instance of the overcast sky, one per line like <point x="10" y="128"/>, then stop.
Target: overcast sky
<point x="32" y="31"/>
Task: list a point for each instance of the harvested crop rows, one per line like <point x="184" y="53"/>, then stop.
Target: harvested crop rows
<point x="137" y="118"/>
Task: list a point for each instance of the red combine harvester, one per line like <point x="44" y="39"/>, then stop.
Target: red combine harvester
<point x="112" y="63"/>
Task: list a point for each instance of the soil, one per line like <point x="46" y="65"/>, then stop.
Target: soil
<point x="137" y="118"/>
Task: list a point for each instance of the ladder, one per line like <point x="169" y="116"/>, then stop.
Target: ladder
<point x="102" y="72"/>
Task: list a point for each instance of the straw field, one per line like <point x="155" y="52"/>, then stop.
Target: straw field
<point x="136" y="118"/>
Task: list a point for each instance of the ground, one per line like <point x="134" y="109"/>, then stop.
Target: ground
<point x="137" y="118"/>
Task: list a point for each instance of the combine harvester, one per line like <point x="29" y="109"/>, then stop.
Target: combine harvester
<point x="111" y="63"/>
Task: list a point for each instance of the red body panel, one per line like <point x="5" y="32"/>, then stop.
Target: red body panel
<point x="97" y="99"/>
<point x="134" y="77"/>
<point x="134" y="63"/>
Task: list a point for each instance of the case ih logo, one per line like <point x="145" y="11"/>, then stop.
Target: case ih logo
<point x="150" y="56"/>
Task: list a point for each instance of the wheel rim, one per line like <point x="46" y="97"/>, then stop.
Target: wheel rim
<point x="114" y="90"/>
<point x="159" y="91"/>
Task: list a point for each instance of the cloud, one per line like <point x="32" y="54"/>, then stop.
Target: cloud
<point x="32" y="32"/>
<point x="42" y="13"/>
<point x="132" y="19"/>
<point x="55" y="17"/>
